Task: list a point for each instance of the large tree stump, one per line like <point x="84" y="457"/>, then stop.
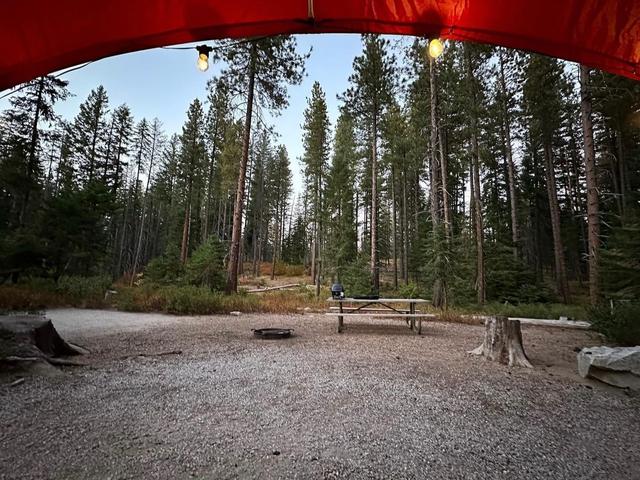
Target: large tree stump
<point x="31" y="342"/>
<point x="503" y="342"/>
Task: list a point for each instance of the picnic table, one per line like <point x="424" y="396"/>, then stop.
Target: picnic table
<point x="379" y="307"/>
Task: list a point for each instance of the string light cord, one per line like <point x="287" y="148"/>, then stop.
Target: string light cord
<point x="200" y="48"/>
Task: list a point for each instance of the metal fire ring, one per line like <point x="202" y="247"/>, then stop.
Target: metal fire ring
<point x="273" y="333"/>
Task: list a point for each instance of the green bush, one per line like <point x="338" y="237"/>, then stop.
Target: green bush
<point x="165" y="269"/>
<point x="356" y="278"/>
<point x="84" y="288"/>
<point x="191" y="300"/>
<point x="510" y="279"/>
<point x="620" y="324"/>
<point x="205" y="267"/>
<point x="409" y="291"/>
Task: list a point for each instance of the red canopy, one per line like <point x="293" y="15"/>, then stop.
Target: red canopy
<point x="41" y="36"/>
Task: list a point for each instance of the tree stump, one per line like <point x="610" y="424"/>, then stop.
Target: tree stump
<point x="503" y="342"/>
<point x="31" y="342"/>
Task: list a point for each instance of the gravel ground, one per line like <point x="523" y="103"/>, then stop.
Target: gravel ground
<point x="374" y="402"/>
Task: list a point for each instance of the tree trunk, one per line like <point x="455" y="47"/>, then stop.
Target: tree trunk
<point x="313" y="258"/>
<point x="562" y="285"/>
<point x="433" y="170"/>
<point x="144" y="213"/>
<point x="446" y="207"/>
<point x="375" y="272"/>
<point x="186" y="226"/>
<point x="276" y="234"/>
<point x="319" y="238"/>
<point x="123" y="237"/>
<point x="480" y="277"/>
<point x="509" y="154"/>
<point x="436" y="175"/>
<point x="405" y="231"/>
<point x="31" y="166"/>
<point x="622" y="170"/>
<point x="236" y="234"/>
<point x="207" y="208"/>
<point x="503" y="343"/>
<point x="394" y="233"/>
<point x="593" y="211"/>
<point x="477" y="207"/>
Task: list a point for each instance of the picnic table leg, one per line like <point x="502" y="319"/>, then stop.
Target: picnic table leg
<point x="340" y="320"/>
<point x="412" y="310"/>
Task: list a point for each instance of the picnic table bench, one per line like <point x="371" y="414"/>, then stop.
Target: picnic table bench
<point x="379" y="307"/>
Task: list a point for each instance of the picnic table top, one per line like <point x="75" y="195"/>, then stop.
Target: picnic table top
<point x="379" y="300"/>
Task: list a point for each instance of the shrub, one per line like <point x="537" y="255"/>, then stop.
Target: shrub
<point x="356" y="278"/>
<point x="510" y="279"/>
<point x="620" y="324"/>
<point x="84" y="289"/>
<point x="409" y="291"/>
<point x="288" y="270"/>
<point x="205" y="267"/>
<point x="191" y="300"/>
<point x="165" y="269"/>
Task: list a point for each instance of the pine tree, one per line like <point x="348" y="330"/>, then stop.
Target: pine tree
<point x="262" y="68"/>
<point x="367" y="98"/>
<point x="191" y="167"/>
<point x="315" y="159"/>
<point x="88" y="131"/>
<point x="21" y="135"/>
<point x="217" y="121"/>
<point x="278" y="181"/>
<point x="342" y="250"/>
<point x="544" y="87"/>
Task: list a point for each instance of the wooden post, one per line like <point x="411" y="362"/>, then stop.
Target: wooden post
<point x="503" y="342"/>
<point x="412" y="310"/>
<point x="340" y="319"/>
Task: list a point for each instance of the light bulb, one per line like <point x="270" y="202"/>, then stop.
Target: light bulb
<point x="203" y="57"/>
<point x="435" y="48"/>
<point x="203" y="62"/>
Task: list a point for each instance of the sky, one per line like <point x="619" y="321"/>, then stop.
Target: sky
<point x="162" y="83"/>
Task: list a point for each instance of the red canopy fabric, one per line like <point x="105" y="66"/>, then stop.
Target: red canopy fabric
<point x="41" y="36"/>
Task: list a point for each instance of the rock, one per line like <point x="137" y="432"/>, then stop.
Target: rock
<point x="618" y="366"/>
<point x="235" y="313"/>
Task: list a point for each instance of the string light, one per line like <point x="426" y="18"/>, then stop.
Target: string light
<point x="203" y="57"/>
<point x="435" y="48"/>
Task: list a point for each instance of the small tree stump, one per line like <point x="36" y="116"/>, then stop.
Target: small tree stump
<point x="503" y="342"/>
<point x="31" y="342"/>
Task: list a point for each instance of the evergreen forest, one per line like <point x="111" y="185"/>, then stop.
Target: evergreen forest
<point x="484" y="178"/>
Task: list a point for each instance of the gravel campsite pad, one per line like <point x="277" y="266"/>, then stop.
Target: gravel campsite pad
<point x="184" y="397"/>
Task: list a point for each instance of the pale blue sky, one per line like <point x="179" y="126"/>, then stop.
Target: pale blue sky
<point x="161" y="83"/>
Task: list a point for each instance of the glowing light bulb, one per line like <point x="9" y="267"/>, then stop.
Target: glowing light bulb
<point x="203" y="57"/>
<point x="203" y="62"/>
<point x="435" y="48"/>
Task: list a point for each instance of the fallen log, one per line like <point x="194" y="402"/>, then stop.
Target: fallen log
<point x="503" y="342"/>
<point x="157" y="354"/>
<point x="540" y="322"/>
<point x="281" y="287"/>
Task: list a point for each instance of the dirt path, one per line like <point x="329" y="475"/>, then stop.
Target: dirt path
<point x="374" y="402"/>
